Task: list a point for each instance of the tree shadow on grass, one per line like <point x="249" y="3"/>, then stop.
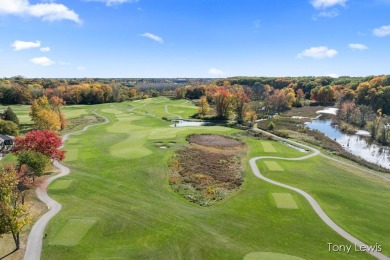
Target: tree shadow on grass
<point x="10" y="253"/>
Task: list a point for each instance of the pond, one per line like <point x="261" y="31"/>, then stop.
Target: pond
<point x="184" y="123"/>
<point x="355" y="144"/>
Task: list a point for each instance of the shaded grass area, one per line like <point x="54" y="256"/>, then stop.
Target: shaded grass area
<point x="140" y="217"/>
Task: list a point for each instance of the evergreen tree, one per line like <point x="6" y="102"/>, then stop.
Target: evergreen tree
<point x="9" y="115"/>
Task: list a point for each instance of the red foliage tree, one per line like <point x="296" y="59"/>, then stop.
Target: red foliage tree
<point x="44" y="142"/>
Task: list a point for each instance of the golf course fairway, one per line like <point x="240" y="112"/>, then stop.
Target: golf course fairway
<point x="117" y="202"/>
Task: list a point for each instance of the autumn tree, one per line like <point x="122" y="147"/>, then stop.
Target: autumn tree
<point x="14" y="211"/>
<point x="8" y="128"/>
<point x="204" y="106"/>
<point x="44" y="142"/>
<point x="223" y="102"/>
<point x="240" y="105"/>
<point x="300" y="98"/>
<point x="44" y="115"/>
<point x="35" y="161"/>
<point x="251" y="117"/>
<point x="56" y="103"/>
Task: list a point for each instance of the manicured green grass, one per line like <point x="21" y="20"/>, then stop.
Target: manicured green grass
<point x="140" y="217"/>
<point x="273" y="166"/>
<point x="61" y="184"/>
<point x="73" y="232"/>
<point x="284" y="201"/>
<point x="270" y="256"/>
<point x="357" y="202"/>
<point x="268" y="147"/>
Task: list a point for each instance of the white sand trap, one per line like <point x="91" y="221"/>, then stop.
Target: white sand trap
<point x="273" y="166"/>
<point x="268" y="147"/>
<point x="284" y="201"/>
<point x="270" y="256"/>
<point x="163" y="147"/>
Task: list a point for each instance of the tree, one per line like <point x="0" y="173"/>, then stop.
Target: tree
<point x="48" y="120"/>
<point x="36" y="162"/>
<point x="9" y="115"/>
<point x="44" y="142"/>
<point x="300" y="98"/>
<point x="223" y="100"/>
<point x="8" y="128"/>
<point x="251" y="116"/>
<point x="14" y="212"/>
<point x="47" y="115"/>
<point x="204" y="106"/>
<point x="240" y="100"/>
<point x="56" y="103"/>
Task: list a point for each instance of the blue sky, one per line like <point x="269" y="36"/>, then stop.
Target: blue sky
<point x="194" y="38"/>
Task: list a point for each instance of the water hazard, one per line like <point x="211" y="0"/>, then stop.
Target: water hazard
<point x="354" y="144"/>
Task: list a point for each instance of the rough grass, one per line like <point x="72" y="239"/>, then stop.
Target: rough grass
<point x="208" y="169"/>
<point x="284" y="201"/>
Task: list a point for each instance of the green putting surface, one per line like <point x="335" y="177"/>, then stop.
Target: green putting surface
<point x="273" y="166"/>
<point x="270" y="256"/>
<point x="268" y="147"/>
<point x="73" y="232"/>
<point x="284" y="201"/>
<point x="61" y="184"/>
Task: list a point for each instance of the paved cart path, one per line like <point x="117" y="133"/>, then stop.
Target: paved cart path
<point x="34" y="241"/>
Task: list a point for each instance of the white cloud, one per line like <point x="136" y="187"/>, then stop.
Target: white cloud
<point x="81" y="68"/>
<point x="323" y="4"/>
<point x="153" y="37"/>
<point x="45" y="11"/>
<point x="22" y="45"/>
<point x="319" y="52"/>
<point x="382" y="31"/>
<point x="215" y="72"/>
<point x="329" y="14"/>
<point x="43" y="61"/>
<point x="45" y="49"/>
<point x="357" y="46"/>
<point x="114" y="2"/>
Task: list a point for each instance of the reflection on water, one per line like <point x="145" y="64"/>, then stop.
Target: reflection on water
<point x="354" y="144"/>
<point x="183" y="123"/>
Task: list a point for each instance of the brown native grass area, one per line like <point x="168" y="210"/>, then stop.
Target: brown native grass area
<point x="208" y="169"/>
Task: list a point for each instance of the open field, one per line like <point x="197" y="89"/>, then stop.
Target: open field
<point x="123" y="190"/>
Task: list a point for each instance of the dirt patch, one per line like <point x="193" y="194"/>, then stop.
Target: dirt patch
<point x="216" y="141"/>
<point x="208" y="169"/>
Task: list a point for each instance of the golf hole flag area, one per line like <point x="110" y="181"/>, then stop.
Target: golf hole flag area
<point x="268" y="147"/>
<point x="73" y="232"/>
<point x="284" y="201"/>
<point x="273" y="166"/>
<point x="61" y="185"/>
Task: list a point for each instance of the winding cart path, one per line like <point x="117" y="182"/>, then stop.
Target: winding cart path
<point x="314" y="204"/>
<point x="34" y="241"/>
